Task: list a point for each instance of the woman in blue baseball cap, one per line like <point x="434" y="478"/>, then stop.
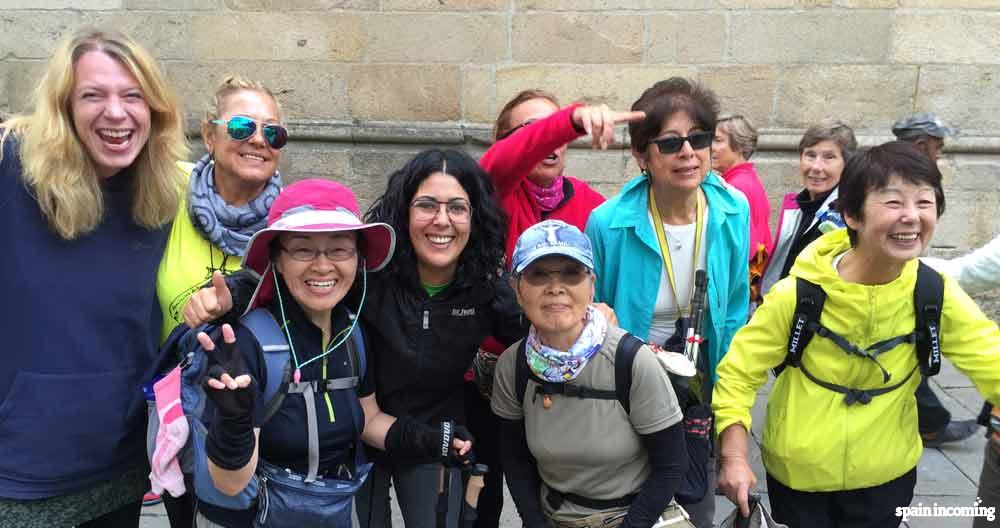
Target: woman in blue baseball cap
<point x="574" y="452"/>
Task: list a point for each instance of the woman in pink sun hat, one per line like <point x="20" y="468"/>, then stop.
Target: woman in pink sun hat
<point x="441" y="294"/>
<point x="313" y="256"/>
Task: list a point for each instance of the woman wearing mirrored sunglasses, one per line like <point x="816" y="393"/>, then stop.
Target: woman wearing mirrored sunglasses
<point x="674" y="218"/>
<point x="229" y="194"/>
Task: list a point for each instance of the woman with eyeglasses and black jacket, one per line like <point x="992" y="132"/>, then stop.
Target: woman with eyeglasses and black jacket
<point x="675" y="218"/>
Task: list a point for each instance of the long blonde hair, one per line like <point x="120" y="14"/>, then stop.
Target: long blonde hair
<point x="57" y="166"/>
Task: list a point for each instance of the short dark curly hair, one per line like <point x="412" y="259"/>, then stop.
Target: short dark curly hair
<point x="482" y="258"/>
<point x="871" y="170"/>
<point x="666" y="98"/>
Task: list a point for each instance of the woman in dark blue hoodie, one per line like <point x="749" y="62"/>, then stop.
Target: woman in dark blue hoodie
<point x="89" y="183"/>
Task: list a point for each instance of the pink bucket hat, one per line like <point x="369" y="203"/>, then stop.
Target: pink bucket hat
<point x="314" y="206"/>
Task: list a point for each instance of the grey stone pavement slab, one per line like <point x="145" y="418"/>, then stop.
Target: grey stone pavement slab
<point x="946" y="477"/>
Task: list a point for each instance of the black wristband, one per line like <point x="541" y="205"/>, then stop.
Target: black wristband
<point x="230" y="442"/>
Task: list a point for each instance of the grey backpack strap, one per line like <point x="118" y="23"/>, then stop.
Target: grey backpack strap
<point x="308" y="391"/>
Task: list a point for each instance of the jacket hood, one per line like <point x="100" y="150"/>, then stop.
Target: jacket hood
<point x="815" y="262"/>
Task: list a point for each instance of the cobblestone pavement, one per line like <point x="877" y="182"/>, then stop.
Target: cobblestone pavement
<point x="947" y="476"/>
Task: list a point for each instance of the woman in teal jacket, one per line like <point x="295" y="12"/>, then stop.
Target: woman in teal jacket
<point x="702" y="223"/>
<point x="628" y="258"/>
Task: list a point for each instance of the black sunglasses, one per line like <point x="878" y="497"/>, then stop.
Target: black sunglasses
<point x="241" y="128"/>
<point x="508" y="133"/>
<point x="698" y="141"/>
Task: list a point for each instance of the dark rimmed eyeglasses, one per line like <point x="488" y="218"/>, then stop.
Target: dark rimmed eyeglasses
<point x="698" y="141"/>
<point x="308" y="254"/>
<point x="241" y="128"/>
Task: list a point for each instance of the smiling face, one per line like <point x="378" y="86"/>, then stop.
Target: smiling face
<point x="898" y="222"/>
<point x="438" y="242"/>
<point x="318" y="285"/>
<point x="683" y="170"/>
<point x="723" y="155"/>
<point x="821" y="166"/>
<point x="552" y="166"/>
<point x="110" y="113"/>
<point x="247" y="163"/>
<point x="552" y="302"/>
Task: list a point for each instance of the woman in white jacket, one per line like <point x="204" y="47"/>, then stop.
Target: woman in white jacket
<point x="978" y="272"/>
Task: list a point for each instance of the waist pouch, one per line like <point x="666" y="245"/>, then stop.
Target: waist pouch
<point x="287" y="501"/>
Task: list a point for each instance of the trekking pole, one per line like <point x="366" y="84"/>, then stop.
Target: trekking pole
<point x="443" y="491"/>
<point x="470" y="510"/>
<point x="744" y="522"/>
<point x="692" y="343"/>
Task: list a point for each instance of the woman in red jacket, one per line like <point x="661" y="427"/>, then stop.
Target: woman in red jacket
<point x="526" y="165"/>
<point x="527" y="160"/>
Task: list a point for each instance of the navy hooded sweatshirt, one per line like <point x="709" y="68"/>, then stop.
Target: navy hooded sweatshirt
<point x="80" y="325"/>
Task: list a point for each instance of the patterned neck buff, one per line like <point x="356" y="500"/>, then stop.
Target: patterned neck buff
<point x="561" y="366"/>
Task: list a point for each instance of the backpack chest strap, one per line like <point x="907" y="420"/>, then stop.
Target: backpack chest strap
<point x="573" y="391"/>
<point x="852" y="396"/>
<point x="871" y="353"/>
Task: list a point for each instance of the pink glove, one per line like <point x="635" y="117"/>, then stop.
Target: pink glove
<point x="170" y="437"/>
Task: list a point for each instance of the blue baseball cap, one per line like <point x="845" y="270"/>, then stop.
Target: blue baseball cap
<point x="551" y="237"/>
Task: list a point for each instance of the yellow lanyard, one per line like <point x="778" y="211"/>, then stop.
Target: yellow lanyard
<point x="661" y="237"/>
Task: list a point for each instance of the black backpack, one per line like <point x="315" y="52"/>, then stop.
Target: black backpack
<point x="927" y="299"/>
<point x="697" y="423"/>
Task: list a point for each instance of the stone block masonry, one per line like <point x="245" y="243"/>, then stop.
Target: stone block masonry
<point x="367" y="83"/>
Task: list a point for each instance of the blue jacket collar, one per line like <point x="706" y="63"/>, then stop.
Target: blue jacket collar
<point x="634" y="199"/>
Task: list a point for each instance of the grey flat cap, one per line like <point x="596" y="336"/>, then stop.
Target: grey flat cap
<point x="925" y="124"/>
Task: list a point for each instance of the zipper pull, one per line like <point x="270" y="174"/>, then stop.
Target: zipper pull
<point x="427" y="319"/>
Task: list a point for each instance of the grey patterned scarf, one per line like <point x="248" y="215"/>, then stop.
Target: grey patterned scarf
<point x="227" y="227"/>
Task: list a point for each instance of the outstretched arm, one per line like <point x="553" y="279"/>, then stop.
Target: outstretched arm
<point x="976" y="272"/>
<point x="511" y="159"/>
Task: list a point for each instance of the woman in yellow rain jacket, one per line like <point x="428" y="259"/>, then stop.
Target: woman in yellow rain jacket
<point x="836" y="459"/>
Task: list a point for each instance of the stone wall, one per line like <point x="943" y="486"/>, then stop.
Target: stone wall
<point x="367" y="83"/>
